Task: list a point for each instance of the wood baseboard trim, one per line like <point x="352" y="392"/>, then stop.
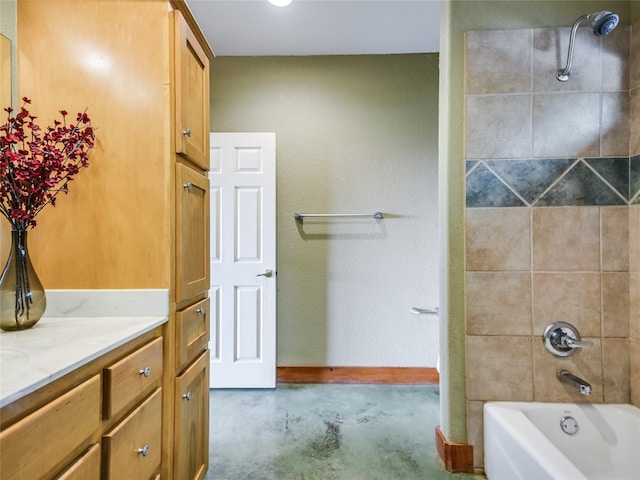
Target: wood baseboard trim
<point x="372" y="375"/>
<point x="456" y="457"/>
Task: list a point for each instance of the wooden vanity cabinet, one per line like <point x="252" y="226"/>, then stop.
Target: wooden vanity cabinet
<point x="145" y="81"/>
<point x="190" y="353"/>
<point x="90" y="424"/>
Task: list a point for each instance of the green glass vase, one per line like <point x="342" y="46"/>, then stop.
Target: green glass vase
<point x="22" y="297"/>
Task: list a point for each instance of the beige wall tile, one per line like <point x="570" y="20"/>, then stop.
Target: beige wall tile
<point x="614" y="129"/>
<point x="499" y="368"/>
<point x="634" y="74"/>
<point x="567" y="297"/>
<point x="634" y="305"/>
<point x="615" y="239"/>
<point x="475" y="431"/>
<point x="566" y="125"/>
<point x="566" y="239"/>
<point x="634" y="354"/>
<point x="498" y="238"/>
<point x="499" y="61"/>
<point x="615" y="304"/>
<point x="550" y="48"/>
<point x="498" y="126"/>
<point x="585" y="363"/>
<point x="615" y="361"/>
<point x="634" y="113"/>
<point x="615" y="59"/>
<point x="634" y="266"/>
<point x="634" y="238"/>
<point x="498" y="303"/>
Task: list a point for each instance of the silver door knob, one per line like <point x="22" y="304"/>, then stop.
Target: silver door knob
<point x="187" y="132"/>
<point x="267" y="273"/>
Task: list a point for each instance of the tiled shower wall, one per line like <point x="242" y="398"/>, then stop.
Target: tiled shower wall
<point x="551" y="190"/>
<point x="634" y="218"/>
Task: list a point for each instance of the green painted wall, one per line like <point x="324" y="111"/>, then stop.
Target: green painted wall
<point x="459" y="16"/>
<point x="354" y="134"/>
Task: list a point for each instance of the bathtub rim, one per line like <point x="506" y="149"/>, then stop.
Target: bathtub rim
<point x="511" y="419"/>
<point x="513" y="415"/>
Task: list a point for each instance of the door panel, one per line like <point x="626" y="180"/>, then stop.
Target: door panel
<point x="243" y="260"/>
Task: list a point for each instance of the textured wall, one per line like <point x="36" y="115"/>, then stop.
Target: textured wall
<point x="354" y="134"/>
<point x="533" y="142"/>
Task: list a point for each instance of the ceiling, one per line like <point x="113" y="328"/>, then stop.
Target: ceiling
<point x="319" y="27"/>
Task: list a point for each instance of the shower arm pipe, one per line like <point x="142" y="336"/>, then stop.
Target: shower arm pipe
<point x="563" y="75"/>
<point x="299" y="216"/>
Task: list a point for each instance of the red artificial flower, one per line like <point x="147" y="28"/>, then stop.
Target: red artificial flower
<point x="35" y="167"/>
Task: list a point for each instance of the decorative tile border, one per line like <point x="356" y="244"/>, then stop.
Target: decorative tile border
<point x="553" y="182"/>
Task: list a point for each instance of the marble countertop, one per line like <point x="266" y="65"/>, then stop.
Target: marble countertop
<point x="85" y="325"/>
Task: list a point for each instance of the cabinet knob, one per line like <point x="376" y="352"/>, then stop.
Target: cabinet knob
<point x="144" y="451"/>
<point x="201" y="311"/>
<point x="146" y="372"/>
<point x="187" y="396"/>
<point x="188" y="186"/>
<point x="187" y="132"/>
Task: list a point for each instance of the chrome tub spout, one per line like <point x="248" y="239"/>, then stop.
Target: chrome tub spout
<point x="568" y="378"/>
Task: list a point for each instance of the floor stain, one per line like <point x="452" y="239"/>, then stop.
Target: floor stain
<point x="329" y="443"/>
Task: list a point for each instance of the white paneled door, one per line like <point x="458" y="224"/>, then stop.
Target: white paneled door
<point x="243" y="260"/>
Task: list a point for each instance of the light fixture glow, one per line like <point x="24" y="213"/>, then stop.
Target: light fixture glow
<point x="280" y="3"/>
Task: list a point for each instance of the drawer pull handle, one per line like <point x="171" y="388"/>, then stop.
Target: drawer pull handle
<point x="146" y="372"/>
<point x="187" y="132"/>
<point x="201" y="311"/>
<point x="187" y="396"/>
<point x="144" y="451"/>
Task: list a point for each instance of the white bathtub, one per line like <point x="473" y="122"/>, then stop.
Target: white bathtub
<point x="526" y="441"/>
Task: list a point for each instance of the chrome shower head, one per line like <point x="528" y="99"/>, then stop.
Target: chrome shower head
<point x="601" y="24"/>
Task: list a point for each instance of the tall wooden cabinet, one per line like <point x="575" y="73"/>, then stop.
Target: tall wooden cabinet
<point x="191" y="393"/>
<point x="138" y="217"/>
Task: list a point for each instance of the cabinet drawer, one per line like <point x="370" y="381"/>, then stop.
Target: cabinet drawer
<point x="132" y="448"/>
<point x="192" y="332"/>
<point x="47" y="440"/>
<point x="129" y="379"/>
<point x="87" y="467"/>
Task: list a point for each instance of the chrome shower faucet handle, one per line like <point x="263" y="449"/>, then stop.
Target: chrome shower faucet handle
<point x="562" y="339"/>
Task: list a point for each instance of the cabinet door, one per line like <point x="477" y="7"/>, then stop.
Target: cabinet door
<point x="191" y="77"/>
<point x="191" y="443"/>
<point x="192" y="233"/>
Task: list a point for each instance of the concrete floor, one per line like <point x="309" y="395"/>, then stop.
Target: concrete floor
<point x="326" y="432"/>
